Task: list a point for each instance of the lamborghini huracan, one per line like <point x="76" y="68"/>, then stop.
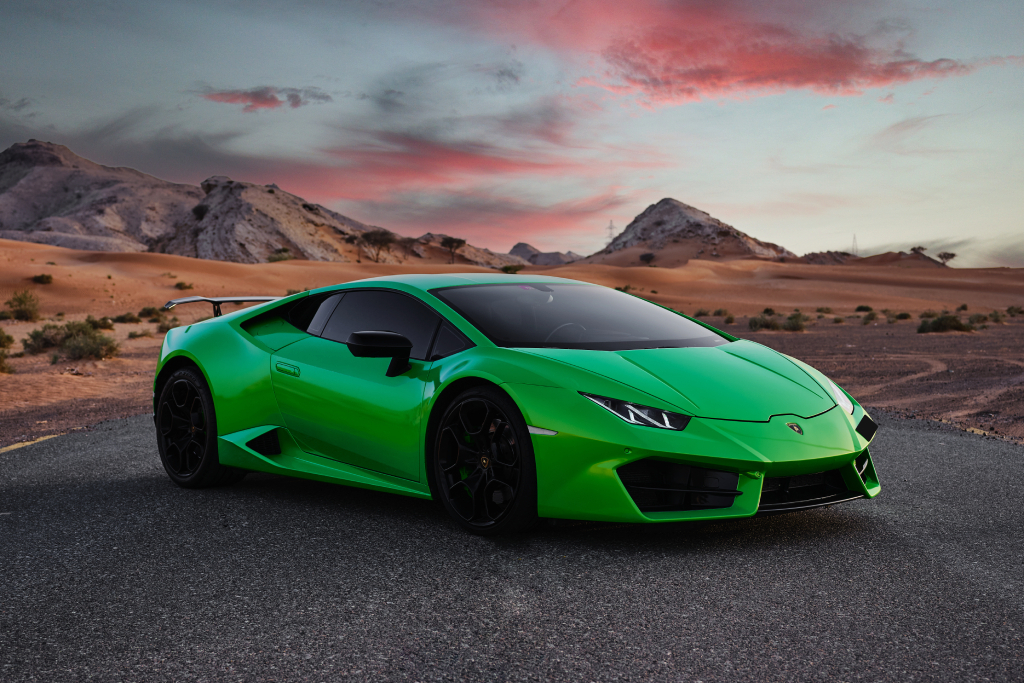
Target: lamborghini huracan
<point x="507" y="398"/>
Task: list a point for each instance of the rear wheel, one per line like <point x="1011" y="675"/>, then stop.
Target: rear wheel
<point x="186" y="433"/>
<point x="483" y="465"/>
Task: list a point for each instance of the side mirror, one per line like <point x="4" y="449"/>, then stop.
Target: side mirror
<point x="377" y="344"/>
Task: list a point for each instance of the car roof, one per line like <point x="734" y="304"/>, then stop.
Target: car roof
<point x="426" y="282"/>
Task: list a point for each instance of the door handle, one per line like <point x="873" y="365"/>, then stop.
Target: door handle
<point x="288" y="369"/>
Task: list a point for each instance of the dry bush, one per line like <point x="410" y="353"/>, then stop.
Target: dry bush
<point x="24" y="305"/>
<point x="103" y="323"/>
<point x="794" y="323"/>
<point x="762" y="322"/>
<point x="701" y="312"/>
<point x="6" y="340"/>
<point x="862" y="309"/>
<point x="838" y="319"/>
<point x="182" y="285"/>
<point x="138" y="334"/>
<point x="824" y="309"/>
<point x="903" y="316"/>
<point x="869" y="318"/>
<point x="167" y="325"/>
<point x="5" y="367"/>
<point x="43" y="279"/>
<point x="511" y="268"/>
<point x="720" y="312"/>
<point x="944" y="323"/>
<point x="729" y="320"/>
<point x="127" y="318"/>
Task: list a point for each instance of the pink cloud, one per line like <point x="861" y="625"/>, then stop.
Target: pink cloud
<point x="268" y="97"/>
<point x="674" y="52"/>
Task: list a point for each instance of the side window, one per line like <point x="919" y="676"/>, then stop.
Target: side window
<point x="310" y="314"/>
<point x="365" y="310"/>
<point x="449" y="342"/>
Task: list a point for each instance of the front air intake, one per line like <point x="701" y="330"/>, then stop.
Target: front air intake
<point x="266" y="444"/>
<point x="659" y="486"/>
<point x="867" y="427"/>
<point x="782" y="494"/>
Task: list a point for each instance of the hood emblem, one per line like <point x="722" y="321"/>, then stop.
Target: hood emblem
<point x="795" y="427"/>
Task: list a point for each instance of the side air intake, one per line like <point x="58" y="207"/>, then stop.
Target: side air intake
<point x="266" y="444"/>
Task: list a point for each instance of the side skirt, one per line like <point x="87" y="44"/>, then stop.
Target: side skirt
<point x="237" y="450"/>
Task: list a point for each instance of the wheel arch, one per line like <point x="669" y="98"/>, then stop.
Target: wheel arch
<point x="437" y="409"/>
<point x="172" y="365"/>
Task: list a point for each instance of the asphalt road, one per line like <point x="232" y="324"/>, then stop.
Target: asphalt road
<point x="109" y="572"/>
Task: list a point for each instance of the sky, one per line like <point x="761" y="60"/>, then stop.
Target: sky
<point x="807" y="124"/>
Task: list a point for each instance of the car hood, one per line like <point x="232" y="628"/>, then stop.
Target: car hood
<point x="737" y="381"/>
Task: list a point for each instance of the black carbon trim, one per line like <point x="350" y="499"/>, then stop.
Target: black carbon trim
<point x="867" y="427"/>
<point x="266" y="444"/>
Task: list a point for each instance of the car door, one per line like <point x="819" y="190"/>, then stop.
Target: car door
<point x="346" y="408"/>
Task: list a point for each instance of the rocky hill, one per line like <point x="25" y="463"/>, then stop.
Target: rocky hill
<point x="902" y="259"/>
<point x="48" y="194"/>
<point x="535" y="256"/>
<point x="671" y="233"/>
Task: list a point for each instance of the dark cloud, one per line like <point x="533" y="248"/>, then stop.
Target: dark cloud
<point x="17" y="106"/>
<point x="268" y="97"/>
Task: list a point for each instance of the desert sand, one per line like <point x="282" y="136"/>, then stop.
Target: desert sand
<point x="890" y="365"/>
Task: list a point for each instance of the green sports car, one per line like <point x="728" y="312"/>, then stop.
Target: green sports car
<point x="506" y="398"/>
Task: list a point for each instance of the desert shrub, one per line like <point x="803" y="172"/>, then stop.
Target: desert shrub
<point x="824" y="309"/>
<point x="89" y="344"/>
<point x="961" y="307"/>
<point x="720" y="312"/>
<point x="838" y="319"/>
<point x="977" y="319"/>
<point x="762" y="322"/>
<point x="701" y="312"/>
<point x="103" y="323"/>
<point x="200" y="211"/>
<point x="903" y="316"/>
<point x="49" y="336"/>
<point x="863" y="309"/>
<point x="150" y="311"/>
<point x="5" y="367"/>
<point x="996" y="317"/>
<point x="137" y="334"/>
<point x="944" y="323"/>
<point x="794" y="323"/>
<point x="6" y="340"/>
<point x="647" y="258"/>
<point x="624" y="288"/>
<point x="729" y="320"/>
<point x="167" y="325"/>
<point x="182" y="285"/>
<point x="6" y="315"/>
<point x="511" y="268"/>
<point x="869" y="318"/>
<point x="54" y="358"/>
<point x="768" y="311"/>
<point x="1014" y="311"/>
<point x="282" y="254"/>
<point x="929" y="314"/>
<point x="43" y="279"/>
<point x="24" y="305"/>
<point x="127" y="318"/>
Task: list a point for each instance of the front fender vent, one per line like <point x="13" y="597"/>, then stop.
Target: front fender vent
<point x="867" y="428"/>
<point x="266" y="444"/>
<point x="659" y="485"/>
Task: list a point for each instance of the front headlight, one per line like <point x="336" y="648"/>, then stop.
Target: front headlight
<point x="636" y="414"/>
<point x="841" y="397"/>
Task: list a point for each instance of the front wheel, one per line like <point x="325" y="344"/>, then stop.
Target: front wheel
<point x="483" y="465"/>
<point x="186" y="433"/>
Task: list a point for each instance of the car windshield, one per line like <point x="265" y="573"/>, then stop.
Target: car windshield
<point x="572" y="316"/>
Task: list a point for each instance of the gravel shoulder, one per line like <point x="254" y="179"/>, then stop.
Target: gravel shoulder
<point x="112" y="573"/>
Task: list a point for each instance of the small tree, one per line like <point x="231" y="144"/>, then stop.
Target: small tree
<point x="647" y="258"/>
<point x="24" y="305"/>
<point x="378" y="241"/>
<point x="407" y="245"/>
<point x="452" y="244"/>
<point x="919" y="250"/>
<point x="946" y="256"/>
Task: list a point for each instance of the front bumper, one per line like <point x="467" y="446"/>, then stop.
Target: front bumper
<point x="578" y="468"/>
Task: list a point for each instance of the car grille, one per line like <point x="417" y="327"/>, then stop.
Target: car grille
<point x="266" y="444"/>
<point x="780" y="494"/>
<point x="659" y="485"/>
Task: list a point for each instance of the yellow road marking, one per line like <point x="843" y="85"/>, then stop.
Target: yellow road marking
<point x="27" y="443"/>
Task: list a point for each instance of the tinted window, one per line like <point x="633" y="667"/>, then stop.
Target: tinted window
<point x="366" y="310"/>
<point x="448" y="343"/>
<point x="573" y="316"/>
<point x="311" y="313"/>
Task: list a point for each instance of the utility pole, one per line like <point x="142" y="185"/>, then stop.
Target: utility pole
<point x="855" y="245"/>
<point x="611" y="231"/>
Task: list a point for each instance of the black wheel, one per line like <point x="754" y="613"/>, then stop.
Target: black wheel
<point x="186" y="433"/>
<point x="484" y="471"/>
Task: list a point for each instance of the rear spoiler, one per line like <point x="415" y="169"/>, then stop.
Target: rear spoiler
<point x="218" y="300"/>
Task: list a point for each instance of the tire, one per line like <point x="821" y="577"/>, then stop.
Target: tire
<point x="484" y="472"/>
<point x="186" y="433"/>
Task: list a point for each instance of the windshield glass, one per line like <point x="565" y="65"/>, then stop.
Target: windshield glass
<point x="572" y="316"/>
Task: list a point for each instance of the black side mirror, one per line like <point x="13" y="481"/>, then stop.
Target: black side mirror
<point x="377" y="344"/>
